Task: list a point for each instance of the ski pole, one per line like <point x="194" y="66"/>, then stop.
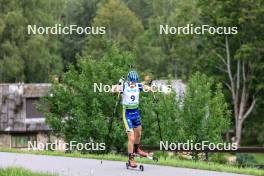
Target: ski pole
<point x="157" y="113"/>
<point x="114" y="113"/>
<point x="158" y="120"/>
<point x="116" y="103"/>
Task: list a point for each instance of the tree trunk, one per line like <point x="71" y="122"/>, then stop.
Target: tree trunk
<point x="238" y="131"/>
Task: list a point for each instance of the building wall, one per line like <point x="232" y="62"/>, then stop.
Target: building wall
<point x="15" y="123"/>
<point x="5" y="141"/>
<point x="13" y="102"/>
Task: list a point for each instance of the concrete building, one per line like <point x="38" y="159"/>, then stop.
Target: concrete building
<point x="20" y="121"/>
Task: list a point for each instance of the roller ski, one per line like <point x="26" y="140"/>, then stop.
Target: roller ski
<point x="131" y="163"/>
<point x="142" y="154"/>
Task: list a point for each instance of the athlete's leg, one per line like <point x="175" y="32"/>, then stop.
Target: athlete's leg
<point x="130" y="149"/>
<point x="131" y="137"/>
<point x="130" y="132"/>
<point x="137" y="126"/>
<point x="137" y="134"/>
<point x="131" y="141"/>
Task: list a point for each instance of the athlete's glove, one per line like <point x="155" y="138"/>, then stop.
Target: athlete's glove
<point x="121" y="81"/>
<point x="150" y="82"/>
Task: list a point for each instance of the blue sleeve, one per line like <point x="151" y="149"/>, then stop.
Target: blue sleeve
<point x="140" y="86"/>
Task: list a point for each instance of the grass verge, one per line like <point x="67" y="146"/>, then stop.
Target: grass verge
<point x="14" y="171"/>
<point x="259" y="158"/>
<point x="162" y="161"/>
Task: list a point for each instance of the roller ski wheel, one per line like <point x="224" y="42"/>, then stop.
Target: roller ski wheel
<point x="156" y="159"/>
<point x="141" y="167"/>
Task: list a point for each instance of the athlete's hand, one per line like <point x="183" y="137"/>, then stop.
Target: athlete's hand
<point x="147" y="80"/>
<point x="121" y="80"/>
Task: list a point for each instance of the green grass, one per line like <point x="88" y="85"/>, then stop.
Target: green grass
<point x="12" y="171"/>
<point x="166" y="162"/>
<point x="259" y="158"/>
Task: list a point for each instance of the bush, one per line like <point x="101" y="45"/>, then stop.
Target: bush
<point x="162" y="154"/>
<point x="218" y="158"/>
<point x="77" y="112"/>
<point x="245" y="159"/>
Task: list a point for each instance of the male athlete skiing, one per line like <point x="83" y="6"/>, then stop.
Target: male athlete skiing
<point x="131" y="117"/>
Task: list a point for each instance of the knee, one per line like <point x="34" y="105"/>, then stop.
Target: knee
<point x="138" y="132"/>
<point x="131" y="138"/>
<point x="137" y="135"/>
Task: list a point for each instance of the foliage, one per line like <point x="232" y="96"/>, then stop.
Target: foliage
<point x="82" y="13"/>
<point x="204" y="110"/>
<point x="245" y="159"/>
<point x="23" y="57"/>
<point x="245" y="51"/>
<point x="76" y="111"/>
<point x="218" y="158"/>
<point x="79" y="113"/>
<point x="121" y="23"/>
<point x="166" y="55"/>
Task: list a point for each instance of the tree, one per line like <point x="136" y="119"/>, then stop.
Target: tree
<point x="121" y="24"/>
<point x="201" y="115"/>
<point x="142" y="8"/>
<point x="81" y="13"/>
<point x="23" y="57"/>
<point x="205" y="115"/>
<point x="166" y="54"/>
<point x="239" y="58"/>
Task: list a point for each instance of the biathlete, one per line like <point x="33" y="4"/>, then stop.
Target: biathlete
<point x="130" y="91"/>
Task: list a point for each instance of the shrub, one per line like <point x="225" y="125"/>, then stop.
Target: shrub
<point x="245" y="159"/>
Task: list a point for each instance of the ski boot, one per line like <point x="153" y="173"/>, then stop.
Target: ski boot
<point x="141" y="153"/>
<point x="132" y="163"/>
<point x="150" y="156"/>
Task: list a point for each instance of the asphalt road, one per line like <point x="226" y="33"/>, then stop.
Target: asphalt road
<point x="90" y="167"/>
